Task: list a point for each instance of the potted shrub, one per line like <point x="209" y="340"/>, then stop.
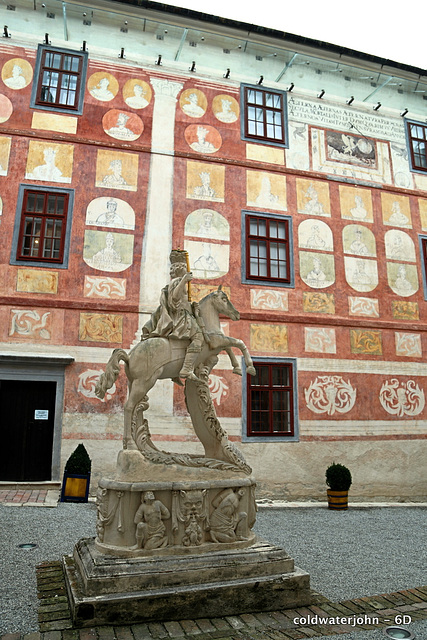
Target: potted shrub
<point x="338" y="479"/>
<point x="75" y="484"/>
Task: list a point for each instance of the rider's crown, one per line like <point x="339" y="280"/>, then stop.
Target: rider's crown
<point x="178" y="255"/>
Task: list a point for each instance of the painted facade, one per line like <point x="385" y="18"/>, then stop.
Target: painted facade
<point x="156" y="160"/>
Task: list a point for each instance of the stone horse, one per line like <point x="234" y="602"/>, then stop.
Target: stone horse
<point x="160" y="358"/>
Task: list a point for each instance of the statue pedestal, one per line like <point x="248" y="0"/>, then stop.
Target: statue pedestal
<point x="104" y="589"/>
<point x="178" y="545"/>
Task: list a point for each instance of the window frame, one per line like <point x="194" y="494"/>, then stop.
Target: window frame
<point x="31" y="261"/>
<point x="247" y="278"/>
<point x="245" y="135"/>
<point x="37" y="103"/>
<point x="409" y="139"/>
<point x="247" y="436"/>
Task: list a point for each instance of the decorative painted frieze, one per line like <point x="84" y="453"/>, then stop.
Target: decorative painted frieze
<point x="87" y="382"/>
<point x="105" y="287"/>
<point x="101" y="327"/>
<point x="402" y="398"/>
<point x="363" y="307"/>
<point x="318" y="302"/>
<point x="269" y="299"/>
<point x="408" y="344"/>
<point x="29" y="323"/>
<point x="218" y="388"/>
<point x="37" y="281"/>
<point x="366" y="341"/>
<point x="330" y="394"/>
<point x="272" y="338"/>
<point x="404" y="310"/>
<point x="320" y="340"/>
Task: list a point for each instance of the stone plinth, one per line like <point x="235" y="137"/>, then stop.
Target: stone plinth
<point x="104" y="589"/>
<point x="175" y="543"/>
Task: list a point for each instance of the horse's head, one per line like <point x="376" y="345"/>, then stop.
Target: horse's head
<point x="223" y="305"/>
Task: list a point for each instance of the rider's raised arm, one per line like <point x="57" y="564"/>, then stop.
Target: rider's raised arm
<point x="180" y="290"/>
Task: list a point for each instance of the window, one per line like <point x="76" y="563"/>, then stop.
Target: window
<point x="60" y="79"/>
<point x="267" y="254"/>
<point x="263" y="115"/>
<point x="271" y="408"/>
<point x="42" y="226"/>
<point x="417" y="139"/>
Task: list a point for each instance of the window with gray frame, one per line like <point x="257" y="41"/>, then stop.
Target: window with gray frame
<point x="42" y="226"/>
<point x="59" y="80"/>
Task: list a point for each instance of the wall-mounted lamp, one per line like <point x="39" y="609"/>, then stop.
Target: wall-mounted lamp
<point x="261" y="79"/>
<point x="350" y="100"/>
<point x="271" y="55"/>
<point x="159" y="61"/>
<point x="321" y="94"/>
<point x="84" y="48"/>
<point x="6" y="33"/>
<point x="46" y="38"/>
<point x="122" y="53"/>
<point x="227" y="74"/>
<point x="404" y="112"/>
<point x="376" y="106"/>
<point x="291" y="86"/>
<point x="193" y="66"/>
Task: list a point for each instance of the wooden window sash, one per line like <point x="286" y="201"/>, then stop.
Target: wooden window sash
<point x="45" y="216"/>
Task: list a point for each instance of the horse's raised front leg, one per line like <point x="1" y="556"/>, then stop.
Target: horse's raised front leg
<point x="226" y="343"/>
<point x="234" y="362"/>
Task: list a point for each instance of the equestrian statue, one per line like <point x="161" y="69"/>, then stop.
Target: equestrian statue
<point x="180" y="341"/>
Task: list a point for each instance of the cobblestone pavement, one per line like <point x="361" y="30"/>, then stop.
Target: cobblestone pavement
<point x="321" y="618"/>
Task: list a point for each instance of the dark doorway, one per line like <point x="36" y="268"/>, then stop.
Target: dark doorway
<point x="27" y="418"/>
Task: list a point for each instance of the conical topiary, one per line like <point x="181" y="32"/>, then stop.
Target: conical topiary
<point x="79" y="462"/>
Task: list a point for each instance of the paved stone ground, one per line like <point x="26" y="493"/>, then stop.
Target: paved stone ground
<point x="321" y="618"/>
<point x="29" y="497"/>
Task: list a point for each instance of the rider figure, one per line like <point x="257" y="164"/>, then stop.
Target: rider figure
<point x="175" y="317"/>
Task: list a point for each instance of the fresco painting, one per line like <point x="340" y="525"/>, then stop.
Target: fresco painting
<point x="205" y="182"/>
<point x="102" y="86"/>
<point x="193" y="103"/>
<point x="266" y="191"/>
<point x="317" y="269"/>
<point x="37" y="281"/>
<point x="359" y="240"/>
<point x="208" y="260"/>
<point x="137" y="93"/>
<point x="116" y="170"/>
<point x="313" y="197"/>
<point x="399" y="246"/>
<point x="122" y="125"/>
<point x="396" y="210"/>
<point x="17" y="73"/>
<point x="269" y="338"/>
<point x="207" y="223"/>
<point x="110" y="212"/>
<point x="361" y="274"/>
<point x="225" y="108"/>
<point x="356" y="204"/>
<point x="101" y="327"/>
<point x="106" y="251"/>
<point x="315" y="234"/>
<point x="49" y="162"/>
<point x="319" y="302"/>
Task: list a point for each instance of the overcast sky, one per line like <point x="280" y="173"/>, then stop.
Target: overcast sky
<point x="384" y="28"/>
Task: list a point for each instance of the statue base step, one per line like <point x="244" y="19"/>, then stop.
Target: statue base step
<point x="104" y="589"/>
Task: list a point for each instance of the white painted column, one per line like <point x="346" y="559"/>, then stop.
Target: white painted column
<point x="158" y="225"/>
<point x="157" y="242"/>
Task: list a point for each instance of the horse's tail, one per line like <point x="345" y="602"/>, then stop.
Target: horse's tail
<point x="108" y="378"/>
